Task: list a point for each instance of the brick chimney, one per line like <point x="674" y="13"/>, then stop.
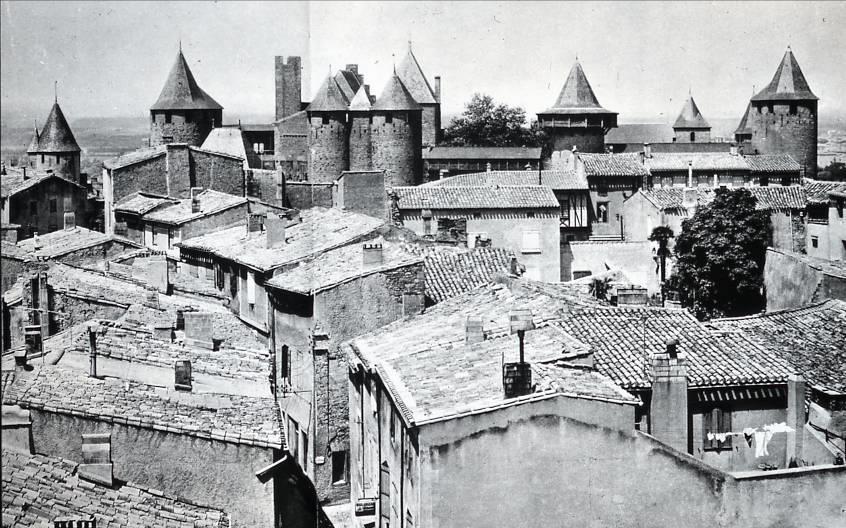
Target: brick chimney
<point x="795" y="418"/>
<point x="182" y="375"/>
<point x="196" y="205"/>
<point x="97" y="463"/>
<point x="371" y="255"/>
<point x="668" y="411"/>
<point x="70" y="220"/>
<point x="255" y="223"/>
<point x="275" y="226"/>
<point x="473" y="330"/>
<point x="517" y="376"/>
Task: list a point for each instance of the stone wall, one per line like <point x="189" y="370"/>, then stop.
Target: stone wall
<point x="305" y="195"/>
<point x="328" y="152"/>
<point x="208" y="224"/>
<point x="94" y="257"/>
<point x="12" y="269"/>
<point x="361" y="151"/>
<point x="364" y="192"/>
<point x="790" y="282"/>
<point x="213" y="171"/>
<point x="288" y="85"/>
<point x="431" y="128"/>
<point x="788" y="231"/>
<point x="785" y="128"/>
<point x="585" y="139"/>
<point x="41" y="208"/>
<point x="75" y="309"/>
<point x="266" y="185"/>
<point x="148" y="176"/>
<point x="396" y="147"/>
<point x="186" y="126"/>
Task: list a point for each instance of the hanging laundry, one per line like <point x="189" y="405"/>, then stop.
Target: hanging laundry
<point x="760" y="446"/>
<point x="779" y="428"/>
<point x="749" y="434"/>
<point x="768" y="435"/>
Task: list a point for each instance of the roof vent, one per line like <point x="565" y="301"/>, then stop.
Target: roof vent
<point x="473" y="330"/>
<point x="70" y="220"/>
<point x="97" y="458"/>
<point x="196" y="205"/>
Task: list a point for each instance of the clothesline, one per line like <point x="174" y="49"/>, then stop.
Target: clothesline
<point x="761" y="436"/>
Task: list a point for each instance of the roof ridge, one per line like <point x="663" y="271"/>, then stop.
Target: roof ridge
<point x="181" y="91"/>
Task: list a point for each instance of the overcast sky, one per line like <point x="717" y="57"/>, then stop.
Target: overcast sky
<point x="111" y="59"/>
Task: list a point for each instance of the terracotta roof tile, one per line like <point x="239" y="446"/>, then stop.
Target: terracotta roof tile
<point x="701" y="161"/>
<point x="482" y="153"/>
<point x="817" y="191"/>
<point x="449" y="274"/>
<point x="179" y="211"/>
<point x="613" y="164"/>
<point x="64" y="241"/>
<point x="496" y="197"/>
<point x="136" y="156"/>
<point x="554" y="179"/>
<point x="140" y="203"/>
<point x="767" y="198"/>
<point x="772" y="163"/>
<point x="13" y="181"/>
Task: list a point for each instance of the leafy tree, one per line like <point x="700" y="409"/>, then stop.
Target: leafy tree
<point x="836" y="171"/>
<point x="662" y="235"/>
<point x="487" y="124"/>
<point x="720" y="256"/>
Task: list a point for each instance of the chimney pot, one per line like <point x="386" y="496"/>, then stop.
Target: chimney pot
<point x="673" y="347"/>
<point x="372" y="254"/>
<point x="92" y="349"/>
<point x="474" y="331"/>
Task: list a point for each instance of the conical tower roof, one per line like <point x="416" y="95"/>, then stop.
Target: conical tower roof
<point x="576" y="95"/>
<point x="395" y="96"/>
<point x="361" y="101"/>
<point x="181" y="91"/>
<point x="56" y="135"/>
<point x="329" y="98"/>
<point x="412" y="77"/>
<point x="788" y="83"/>
<point x="743" y="127"/>
<point x="690" y="116"/>
<point x="33" y="144"/>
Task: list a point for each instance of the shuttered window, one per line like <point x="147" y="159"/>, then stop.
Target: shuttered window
<point x="531" y="242"/>
<point x="716" y="421"/>
<point x="251" y="288"/>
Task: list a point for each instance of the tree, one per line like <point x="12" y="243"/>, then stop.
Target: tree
<point x="662" y="235"/>
<point x="720" y="256"/>
<point x="487" y="124"/>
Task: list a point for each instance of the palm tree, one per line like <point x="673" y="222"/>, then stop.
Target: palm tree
<point x="662" y="235"/>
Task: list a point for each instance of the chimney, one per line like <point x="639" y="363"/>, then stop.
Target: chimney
<point x="196" y="206"/>
<point x="199" y="329"/>
<point x="97" y="463"/>
<point x="473" y="331"/>
<point x="255" y="222"/>
<point x="795" y="418"/>
<point x="371" y="253"/>
<point x="24" y="173"/>
<point x="92" y="349"/>
<point x="275" y="227"/>
<point x="70" y="220"/>
<point x="438" y="88"/>
<point x="412" y="303"/>
<point x="158" y="278"/>
<point x="488" y="167"/>
<point x="733" y="149"/>
<point x="17" y="429"/>
<point x="163" y="332"/>
<point x="668" y="409"/>
<point x="151" y="298"/>
<point x="689" y="200"/>
<point x="32" y="346"/>
<point x="690" y="173"/>
<point x="182" y="375"/>
<point x="647" y="150"/>
<point x="517" y="377"/>
<point x="352" y="68"/>
<point x="571" y="159"/>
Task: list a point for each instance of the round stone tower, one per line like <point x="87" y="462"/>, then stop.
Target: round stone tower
<point x="184" y="113"/>
<point x="783" y="117"/>
<point x="360" y="118"/>
<point x="690" y="125"/>
<point x="395" y="134"/>
<point x="328" y="134"/>
<point x="55" y="148"/>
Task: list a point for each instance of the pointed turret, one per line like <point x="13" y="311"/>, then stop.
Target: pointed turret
<point x="329" y="98"/>
<point x="395" y="96"/>
<point x="361" y="101"/>
<point x="743" y="132"/>
<point x="412" y="76"/>
<point x="576" y="119"/>
<point x="184" y="112"/>
<point x="788" y="83"/>
<point x="396" y="134"/>
<point x="328" y="140"/>
<point x="690" y="126"/>
<point x="55" y="148"/>
<point x="33" y="143"/>
<point x="360" y="145"/>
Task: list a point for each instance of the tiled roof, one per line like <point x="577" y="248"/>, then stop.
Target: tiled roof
<point x="94" y="285"/>
<point x="576" y="95"/>
<point x="743" y="126"/>
<point x="811" y="338"/>
<point x="319" y="230"/>
<point x="690" y="116"/>
<point x="482" y="153"/>
<point x="63" y="241"/>
<point x="140" y="203"/>
<point x="623" y="339"/>
<point x="395" y="96"/>
<point x="496" y="197"/>
<point x="179" y="212"/>
<point x="39" y="488"/>
<point x="701" y="161"/>
<point x="13" y="181"/>
<point x="181" y="91"/>
<point x="136" y="156"/>
<point x="228" y="418"/>
<point x="767" y="198"/>
<point x="449" y="274"/>
<point x="640" y="133"/>
<point x="771" y="163"/>
<point x="329" y="98"/>
<point x="227" y="140"/>
<point x="613" y="164"/>
<point x="788" y="83"/>
<point x="360" y="101"/>
<point x="340" y="265"/>
<point x="413" y="78"/>
<point x="556" y="180"/>
<point x="56" y="136"/>
<point x="11" y="250"/>
<point x="817" y="191"/>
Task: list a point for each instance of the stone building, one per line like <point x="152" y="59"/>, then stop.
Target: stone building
<point x="690" y="125"/>
<point x="442" y="162"/>
<point x="395" y="134"/>
<point x="826" y="227"/>
<point x="54" y="148"/>
<point x="413" y="78"/>
<point x="782" y="118"/>
<point x="183" y="113"/>
<point x="793" y="279"/>
<point x="34" y="202"/>
<point x="576" y="120"/>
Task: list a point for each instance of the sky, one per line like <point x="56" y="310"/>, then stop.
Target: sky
<point x="111" y="58"/>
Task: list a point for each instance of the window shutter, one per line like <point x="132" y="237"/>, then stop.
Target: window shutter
<point x="707" y="427"/>
<point x="725" y="427"/>
<point x="531" y="241"/>
<point x="251" y="288"/>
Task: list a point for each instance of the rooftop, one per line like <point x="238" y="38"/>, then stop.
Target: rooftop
<point x="140" y="203"/>
<point x="227" y="140"/>
<point x="395" y="96"/>
<point x="412" y="77"/>
<point x="555" y="179"/>
<point x="41" y="488"/>
<point x="319" y="230"/>
<point x="767" y="198"/>
<point x="179" y="212"/>
<point x="613" y="164"/>
<point x="640" y="133"/>
<point x="329" y="98"/>
<point x="576" y="96"/>
<point x="13" y="182"/>
<point x="361" y="100"/>
<point x="690" y="116"/>
<point x="136" y="156"/>
<point x="818" y="191"/>
<point x="788" y="83"/>
<point x="710" y="161"/>
<point x="181" y="91"/>
<point x="326" y="270"/>
<point x="64" y="241"/>
<point x="227" y="418"/>
<point x="772" y="163"/>
<point x="812" y="339"/>
<point x="482" y="153"/>
<point x="482" y="197"/>
<point x="55" y="136"/>
<point x="449" y="274"/>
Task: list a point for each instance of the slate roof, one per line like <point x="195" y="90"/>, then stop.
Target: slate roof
<point x="618" y="336"/>
<point x="179" y="212"/>
<point x="772" y="163"/>
<point x="818" y="191"/>
<point x="64" y="241"/>
<point x="136" y="156"/>
<point x="640" y="133"/>
<point x="319" y="230"/>
<point x="360" y="101"/>
<point x="140" y="203"/>
<point x="395" y="96"/>
<point x="227" y="140"/>
<point x="743" y="126"/>
<point x="576" y="96"/>
<point x="788" y="83"/>
<point x="55" y="136"/>
<point x="414" y="79"/>
<point x="340" y="265"/>
<point x="449" y="274"/>
<point x="613" y="164"/>
<point x="227" y="418"/>
<point x="348" y="82"/>
<point x="13" y="181"/>
<point x="181" y="91"/>
<point x="496" y="197"/>
<point x="554" y="179"/>
<point x="690" y="116"/>
<point x="39" y="488"/>
<point x="329" y="98"/>
<point x="710" y="161"/>
<point x="768" y="198"/>
<point x="482" y="153"/>
<point x="811" y="338"/>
